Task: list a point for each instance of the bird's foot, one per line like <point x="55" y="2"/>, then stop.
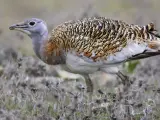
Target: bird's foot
<point x="124" y="78"/>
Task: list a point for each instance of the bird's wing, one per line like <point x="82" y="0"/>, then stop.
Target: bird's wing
<point x="106" y="41"/>
<point x="143" y="55"/>
<point x="113" y="42"/>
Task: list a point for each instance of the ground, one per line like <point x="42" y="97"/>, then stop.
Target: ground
<point x="32" y="90"/>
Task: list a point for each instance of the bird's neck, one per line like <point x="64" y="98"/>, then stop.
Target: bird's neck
<point x="48" y="51"/>
<point x="38" y="42"/>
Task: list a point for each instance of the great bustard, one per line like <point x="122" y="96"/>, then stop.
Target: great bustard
<point x="90" y="45"/>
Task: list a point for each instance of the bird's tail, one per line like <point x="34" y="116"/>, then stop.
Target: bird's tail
<point x="149" y="27"/>
<point x="154" y="40"/>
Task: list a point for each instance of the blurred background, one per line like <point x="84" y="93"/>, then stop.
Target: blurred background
<point x="25" y="89"/>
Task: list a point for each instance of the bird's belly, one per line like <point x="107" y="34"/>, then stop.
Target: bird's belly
<point x="77" y="64"/>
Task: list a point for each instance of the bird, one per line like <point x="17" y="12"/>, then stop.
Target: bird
<point x="91" y="44"/>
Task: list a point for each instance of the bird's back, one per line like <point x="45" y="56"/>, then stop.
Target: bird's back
<point x="101" y="39"/>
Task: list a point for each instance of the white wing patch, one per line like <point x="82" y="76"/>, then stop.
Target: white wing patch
<point x="132" y="48"/>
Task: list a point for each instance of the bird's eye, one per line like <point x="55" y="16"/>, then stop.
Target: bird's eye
<point x="32" y="23"/>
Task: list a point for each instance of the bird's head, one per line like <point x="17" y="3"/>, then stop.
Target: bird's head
<point x="36" y="29"/>
<point x="32" y="27"/>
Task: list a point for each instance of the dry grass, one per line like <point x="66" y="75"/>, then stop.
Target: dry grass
<point x="30" y="90"/>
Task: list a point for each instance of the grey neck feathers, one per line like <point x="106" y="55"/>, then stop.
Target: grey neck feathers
<point x="38" y="41"/>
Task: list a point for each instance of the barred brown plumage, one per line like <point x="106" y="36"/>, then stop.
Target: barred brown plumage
<point x="99" y="37"/>
<point x="92" y="44"/>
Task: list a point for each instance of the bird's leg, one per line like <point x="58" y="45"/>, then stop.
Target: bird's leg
<point x="115" y="71"/>
<point x="89" y="83"/>
<point x="89" y="86"/>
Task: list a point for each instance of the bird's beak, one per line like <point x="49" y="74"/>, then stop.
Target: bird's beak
<point x="20" y="27"/>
